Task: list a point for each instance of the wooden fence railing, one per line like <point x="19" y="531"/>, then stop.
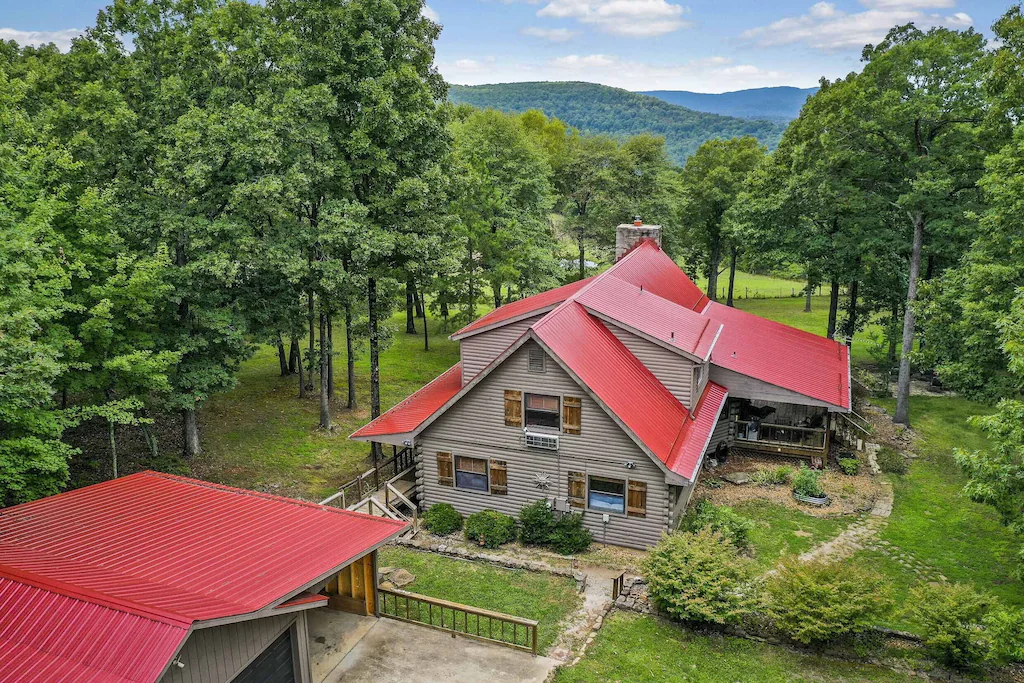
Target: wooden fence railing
<point x="618" y="583"/>
<point x="479" y="624"/>
<point x="373" y="479"/>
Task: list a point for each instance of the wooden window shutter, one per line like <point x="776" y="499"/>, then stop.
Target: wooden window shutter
<point x="513" y="408"/>
<point x="571" y="413"/>
<point x="577" y="489"/>
<point x="636" y="505"/>
<point x="499" y="478"/>
<point x="445" y="470"/>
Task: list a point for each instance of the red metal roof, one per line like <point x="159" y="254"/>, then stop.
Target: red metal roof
<point x="696" y="432"/>
<point x="650" y="314"/>
<point x="649" y="267"/>
<point x="410" y="413"/>
<point x="516" y="309"/>
<point x="806" y="363"/>
<point x="157" y="548"/>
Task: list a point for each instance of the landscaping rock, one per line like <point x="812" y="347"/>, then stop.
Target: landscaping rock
<point x="385" y="571"/>
<point x="401" y="578"/>
<point x="737" y="478"/>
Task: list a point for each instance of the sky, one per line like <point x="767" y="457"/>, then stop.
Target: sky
<point x="700" y="45"/>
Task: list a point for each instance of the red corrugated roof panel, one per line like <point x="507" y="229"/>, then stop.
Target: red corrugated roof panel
<point x="806" y="363"/>
<point x="410" y="413"/>
<point x="696" y="432"/>
<point x="650" y="314"/>
<point x="648" y="266"/>
<point x="523" y="307"/>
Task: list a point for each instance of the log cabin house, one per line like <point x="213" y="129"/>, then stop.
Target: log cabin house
<point x="605" y="397"/>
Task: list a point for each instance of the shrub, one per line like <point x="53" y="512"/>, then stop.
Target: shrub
<point x="891" y="461"/>
<point x="951" y="615"/>
<point x="442" y="519"/>
<point x="490" y="528"/>
<point x="771" y="476"/>
<point x="807" y="482"/>
<point x="535" y="523"/>
<point x="818" y="601"/>
<point x="569" y="536"/>
<point x="849" y="466"/>
<point x="1005" y="627"/>
<point x="696" y="576"/>
<point x="734" y="527"/>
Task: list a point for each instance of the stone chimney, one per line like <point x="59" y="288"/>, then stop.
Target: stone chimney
<point x="628" y="234"/>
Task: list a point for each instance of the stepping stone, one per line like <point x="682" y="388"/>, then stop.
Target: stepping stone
<point x="802" y="534"/>
<point x="402" y="578"/>
<point x="738" y="478"/>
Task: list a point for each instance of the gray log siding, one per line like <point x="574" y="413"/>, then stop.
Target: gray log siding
<point x="671" y="369"/>
<point x="742" y="386"/>
<point x="217" y="654"/>
<point x="475" y="427"/>
<point x="479" y="350"/>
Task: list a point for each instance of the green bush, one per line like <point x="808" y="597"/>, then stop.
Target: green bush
<point x="734" y="527"/>
<point x="807" y="482"/>
<point x="698" y="577"/>
<point x="569" y="536"/>
<point x="817" y="601"/>
<point x="952" y="618"/>
<point x="771" y="476"/>
<point x="1005" y="627"/>
<point x="442" y="519"/>
<point x="490" y="528"/>
<point x="849" y="466"/>
<point x="891" y="461"/>
<point x="535" y="523"/>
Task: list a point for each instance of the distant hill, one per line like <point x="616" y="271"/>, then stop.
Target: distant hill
<point x="781" y="105"/>
<point x="600" y="109"/>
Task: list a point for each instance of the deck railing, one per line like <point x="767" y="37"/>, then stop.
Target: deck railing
<point x="463" y="620"/>
<point x="809" y="438"/>
<point x="375" y="478"/>
<point x="618" y="583"/>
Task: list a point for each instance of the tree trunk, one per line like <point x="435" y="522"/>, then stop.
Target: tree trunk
<point x="892" y="336"/>
<point x="851" y="313"/>
<point x="833" y="308"/>
<point x="903" y="385"/>
<point x="716" y="260"/>
<point x="330" y="355"/>
<point x="302" y="380"/>
<point x="312" y="344"/>
<point x="147" y="433"/>
<point x="325" y="402"/>
<point x="732" y="275"/>
<point x="350" y="358"/>
<point x="496" y="290"/>
<point x="583" y="259"/>
<point x="113" y="446"/>
<point x="808" y="292"/>
<point x="282" y="358"/>
<point x="410" y="307"/>
<point x="190" y="429"/>
<point x="928" y="270"/>
<point x="371" y="303"/>
<point x="293" y="355"/>
<point x="417" y="297"/>
<point x="426" y="338"/>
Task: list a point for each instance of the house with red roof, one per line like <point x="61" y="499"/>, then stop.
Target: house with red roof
<point x="606" y="397"/>
<point x="156" y="577"/>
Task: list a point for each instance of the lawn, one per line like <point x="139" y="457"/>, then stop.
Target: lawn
<point x="639" y="649"/>
<point x="531" y="595"/>
<point x="933" y="522"/>
<point x="780" y="531"/>
<point x="260" y="435"/>
<point x="753" y="286"/>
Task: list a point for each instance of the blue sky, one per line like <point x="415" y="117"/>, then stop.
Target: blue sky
<point x="699" y="45"/>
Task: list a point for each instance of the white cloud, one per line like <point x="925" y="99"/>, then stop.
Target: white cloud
<point x="430" y="13"/>
<point x="621" y="17"/>
<point x="826" y="28"/>
<point x="585" y="62"/>
<point x="62" y="38"/>
<point x="555" y="35"/>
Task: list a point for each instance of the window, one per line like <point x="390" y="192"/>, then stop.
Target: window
<point x="471" y="473"/>
<point x="536" y="360"/>
<point x="444" y="469"/>
<point x="607" y="495"/>
<point x="577" y="489"/>
<point x="571" y="406"/>
<point x="542" y="411"/>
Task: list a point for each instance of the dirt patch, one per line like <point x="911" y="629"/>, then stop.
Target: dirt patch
<point x="886" y="433"/>
<point x="849" y="494"/>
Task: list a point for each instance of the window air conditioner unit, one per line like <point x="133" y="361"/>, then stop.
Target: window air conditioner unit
<point x="546" y="441"/>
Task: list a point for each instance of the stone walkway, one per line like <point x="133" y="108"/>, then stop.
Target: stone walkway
<point x="859" y="535"/>
<point x="581" y="627"/>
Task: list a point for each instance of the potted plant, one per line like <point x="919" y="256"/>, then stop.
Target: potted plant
<point x="807" y="487"/>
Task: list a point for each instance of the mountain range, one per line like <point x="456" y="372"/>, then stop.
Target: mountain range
<point x="594" y="108"/>
<point x="781" y="104"/>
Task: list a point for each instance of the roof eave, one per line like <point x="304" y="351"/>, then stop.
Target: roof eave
<point x="463" y="333"/>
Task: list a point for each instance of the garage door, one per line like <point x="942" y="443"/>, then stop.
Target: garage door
<point x="274" y="665"/>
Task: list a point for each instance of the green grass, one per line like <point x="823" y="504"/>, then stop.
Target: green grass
<point x="752" y="286"/>
<point x="531" y="595"/>
<point x="963" y="540"/>
<point x="260" y="435"/>
<point x="774" y="535"/>
<point x="638" y="649"/>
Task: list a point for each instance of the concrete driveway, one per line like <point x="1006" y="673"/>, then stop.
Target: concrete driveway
<point x="389" y="651"/>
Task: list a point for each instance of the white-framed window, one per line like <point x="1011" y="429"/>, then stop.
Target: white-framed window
<point x="605" y="494"/>
<point x="543" y="411"/>
<point x="471" y="473"/>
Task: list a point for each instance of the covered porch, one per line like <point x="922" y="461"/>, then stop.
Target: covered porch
<point x="780" y="428"/>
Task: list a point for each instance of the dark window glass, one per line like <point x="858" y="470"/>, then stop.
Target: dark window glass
<point x="542" y="411"/>
<point x="607" y="495"/>
<point x="471" y="473"/>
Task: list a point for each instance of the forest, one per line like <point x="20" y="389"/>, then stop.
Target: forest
<point x="241" y="175"/>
